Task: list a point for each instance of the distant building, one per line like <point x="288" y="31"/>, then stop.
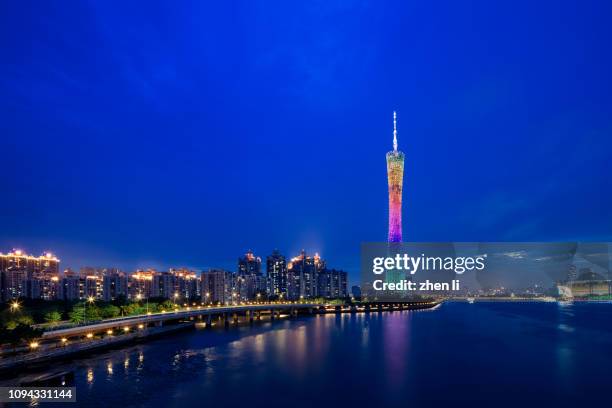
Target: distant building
<point x="216" y="286"/>
<point x="585" y="288"/>
<point x="69" y="288"/>
<point x="332" y="284"/>
<point x="249" y="264"/>
<point x="114" y="285"/>
<point x="250" y="281"/>
<point x="91" y="286"/>
<point x="276" y="271"/>
<point x="356" y="292"/>
<point x="186" y="284"/>
<point x="140" y="284"/>
<point x="572" y="273"/>
<point x="303" y="276"/>
<point x="164" y="286"/>
<point x="23" y="275"/>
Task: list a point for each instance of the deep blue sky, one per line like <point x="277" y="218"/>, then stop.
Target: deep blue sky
<point x="140" y="134"/>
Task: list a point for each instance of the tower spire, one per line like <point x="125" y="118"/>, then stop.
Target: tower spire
<point x="394" y="131"/>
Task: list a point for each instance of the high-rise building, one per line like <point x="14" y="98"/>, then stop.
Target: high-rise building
<point x="164" y="286"/>
<point x="276" y="270"/>
<point x="249" y="264"/>
<point x="395" y="177"/>
<point x="69" y="287"/>
<point x="91" y="286"/>
<point x="250" y="282"/>
<point x="332" y="284"/>
<point x="185" y="284"/>
<point x="20" y="274"/>
<point x="302" y="276"/>
<point x="216" y="286"/>
<point x="140" y="284"/>
<point x="114" y="285"/>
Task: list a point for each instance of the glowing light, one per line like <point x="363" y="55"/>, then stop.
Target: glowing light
<point x="109" y="332"/>
<point x="141" y="326"/>
<point x="34" y="345"/>
<point x="89" y="335"/>
<point x="395" y="176"/>
<point x="15" y="306"/>
<point x="126" y="329"/>
<point x="64" y="340"/>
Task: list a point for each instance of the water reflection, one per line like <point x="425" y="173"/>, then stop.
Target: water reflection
<point x="404" y="358"/>
<point x="90" y="375"/>
<point x="396" y="338"/>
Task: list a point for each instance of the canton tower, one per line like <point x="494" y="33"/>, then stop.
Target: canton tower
<point x="395" y="176"/>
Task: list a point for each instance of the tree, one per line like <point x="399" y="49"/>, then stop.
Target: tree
<point x="166" y="305"/>
<point x="109" y="311"/>
<point x="77" y="315"/>
<point x="53" y="317"/>
<point x="92" y="313"/>
<point x="10" y="319"/>
<point x="20" y="334"/>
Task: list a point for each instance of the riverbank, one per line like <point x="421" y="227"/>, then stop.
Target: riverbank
<point x="152" y="326"/>
<point x="550" y="356"/>
<point x="84" y="347"/>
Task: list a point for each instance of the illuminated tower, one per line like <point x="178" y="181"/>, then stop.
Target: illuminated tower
<point x="395" y="176"/>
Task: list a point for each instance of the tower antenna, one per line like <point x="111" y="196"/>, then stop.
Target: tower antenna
<point x="394" y="131"/>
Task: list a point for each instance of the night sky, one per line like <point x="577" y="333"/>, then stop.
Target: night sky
<point x="137" y="134"/>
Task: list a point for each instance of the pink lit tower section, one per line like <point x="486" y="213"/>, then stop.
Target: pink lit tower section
<point x="395" y="176"/>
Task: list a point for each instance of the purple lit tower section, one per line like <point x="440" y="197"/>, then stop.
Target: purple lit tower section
<point x="395" y="176"/>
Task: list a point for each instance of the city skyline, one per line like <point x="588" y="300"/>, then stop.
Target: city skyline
<point x="300" y="277"/>
<point x="185" y="134"/>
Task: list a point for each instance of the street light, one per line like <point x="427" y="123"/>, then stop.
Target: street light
<point x="15" y="306"/>
<point x="139" y="298"/>
<point x="90" y="299"/>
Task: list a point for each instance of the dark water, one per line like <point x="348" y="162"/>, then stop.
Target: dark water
<point x="482" y="354"/>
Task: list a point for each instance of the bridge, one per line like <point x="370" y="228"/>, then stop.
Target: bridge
<point x="225" y="314"/>
<point x="204" y="313"/>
